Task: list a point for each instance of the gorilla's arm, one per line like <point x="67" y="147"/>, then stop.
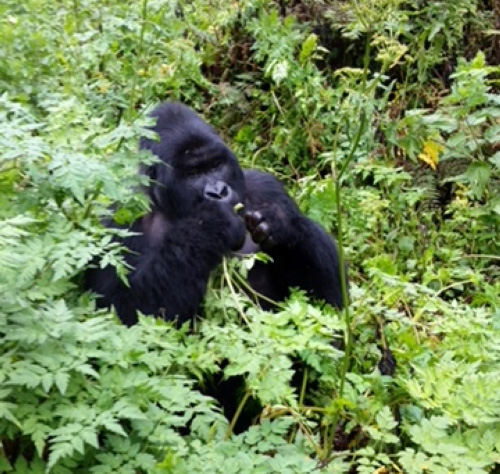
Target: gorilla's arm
<point x="171" y="263"/>
<point x="303" y="254"/>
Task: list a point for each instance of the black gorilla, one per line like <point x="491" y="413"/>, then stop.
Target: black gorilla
<point x="194" y="190"/>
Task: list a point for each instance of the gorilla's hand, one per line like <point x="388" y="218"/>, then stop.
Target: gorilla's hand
<point x="271" y="225"/>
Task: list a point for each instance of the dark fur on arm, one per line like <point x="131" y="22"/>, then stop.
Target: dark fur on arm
<point x="171" y="263"/>
<point x="303" y="254"/>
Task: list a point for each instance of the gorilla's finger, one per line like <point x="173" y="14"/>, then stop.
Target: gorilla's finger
<point x="268" y="244"/>
<point x="261" y="232"/>
<point x="253" y="219"/>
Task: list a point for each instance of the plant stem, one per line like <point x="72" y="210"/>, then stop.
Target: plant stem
<point x="237" y="414"/>
<point x="330" y="436"/>
<point x="343" y="282"/>
<point x="76" y="14"/>
<point x="140" y="48"/>
<point x="301" y="401"/>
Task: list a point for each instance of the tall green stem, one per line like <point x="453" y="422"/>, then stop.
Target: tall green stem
<point x="76" y="15"/>
<point x="140" y="49"/>
<point x="329" y="438"/>
<point x="345" y="296"/>
<point x="241" y="405"/>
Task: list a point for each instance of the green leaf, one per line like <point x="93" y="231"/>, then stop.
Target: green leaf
<point x="308" y="48"/>
<point x="114" y="426"/>
<point x="89" y="435"/>
<point x="61" y="380"/>
<point x="280" y="71"/>
<point x="495" y="160"/>
<point x="58" y="452"/>
<point x="6" y="412"/>
<point x="47" y="381"/>
<point x="478" y="175"/>
<point x="385" y="419"/>
<point x="406" y="243"/>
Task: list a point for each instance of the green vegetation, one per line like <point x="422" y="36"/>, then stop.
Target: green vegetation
<point x="383" y="119"/>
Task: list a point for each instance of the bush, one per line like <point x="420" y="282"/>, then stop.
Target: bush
<point x="325" y="95"/>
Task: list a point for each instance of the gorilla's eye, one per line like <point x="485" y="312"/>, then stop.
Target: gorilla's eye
<point x="192" y="172"/>
<point x="217" y="161"/>
<point x="203" y="167"/>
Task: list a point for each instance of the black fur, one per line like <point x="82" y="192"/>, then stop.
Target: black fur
<point x="192" y="224"/>
<point x="303" y="254"/>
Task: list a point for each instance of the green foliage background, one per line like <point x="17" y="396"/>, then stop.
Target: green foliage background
<point x="383" y="119"/>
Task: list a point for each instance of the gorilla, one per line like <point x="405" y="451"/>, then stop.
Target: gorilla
<point x="195" y="190"/>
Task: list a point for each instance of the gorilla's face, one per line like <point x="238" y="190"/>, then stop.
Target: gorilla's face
<point x="196" y="165"/>
<point x="178" y="191"/>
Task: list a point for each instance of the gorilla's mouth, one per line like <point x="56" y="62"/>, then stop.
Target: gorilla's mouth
<point x="248" y="247"/>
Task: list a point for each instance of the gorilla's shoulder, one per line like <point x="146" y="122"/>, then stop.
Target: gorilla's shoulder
<point x="264" y="185"/>
<point x="261" y="178"/>
<point x="170" y="110"/>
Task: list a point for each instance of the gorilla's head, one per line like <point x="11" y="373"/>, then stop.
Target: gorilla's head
<point x="195" y="164"/>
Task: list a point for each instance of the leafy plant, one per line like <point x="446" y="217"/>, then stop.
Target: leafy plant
<point x="325" y="95"/>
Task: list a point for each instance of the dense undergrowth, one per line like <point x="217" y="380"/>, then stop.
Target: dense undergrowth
<point x="389" y="108"/>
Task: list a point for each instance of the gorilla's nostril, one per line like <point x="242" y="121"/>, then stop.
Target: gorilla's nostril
<point x="218" y="191"/>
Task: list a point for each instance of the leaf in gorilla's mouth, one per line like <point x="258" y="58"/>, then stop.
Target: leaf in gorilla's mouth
<point x="238" y="207"/>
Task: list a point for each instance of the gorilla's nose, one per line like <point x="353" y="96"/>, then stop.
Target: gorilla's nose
<point x="218" y="191"/>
